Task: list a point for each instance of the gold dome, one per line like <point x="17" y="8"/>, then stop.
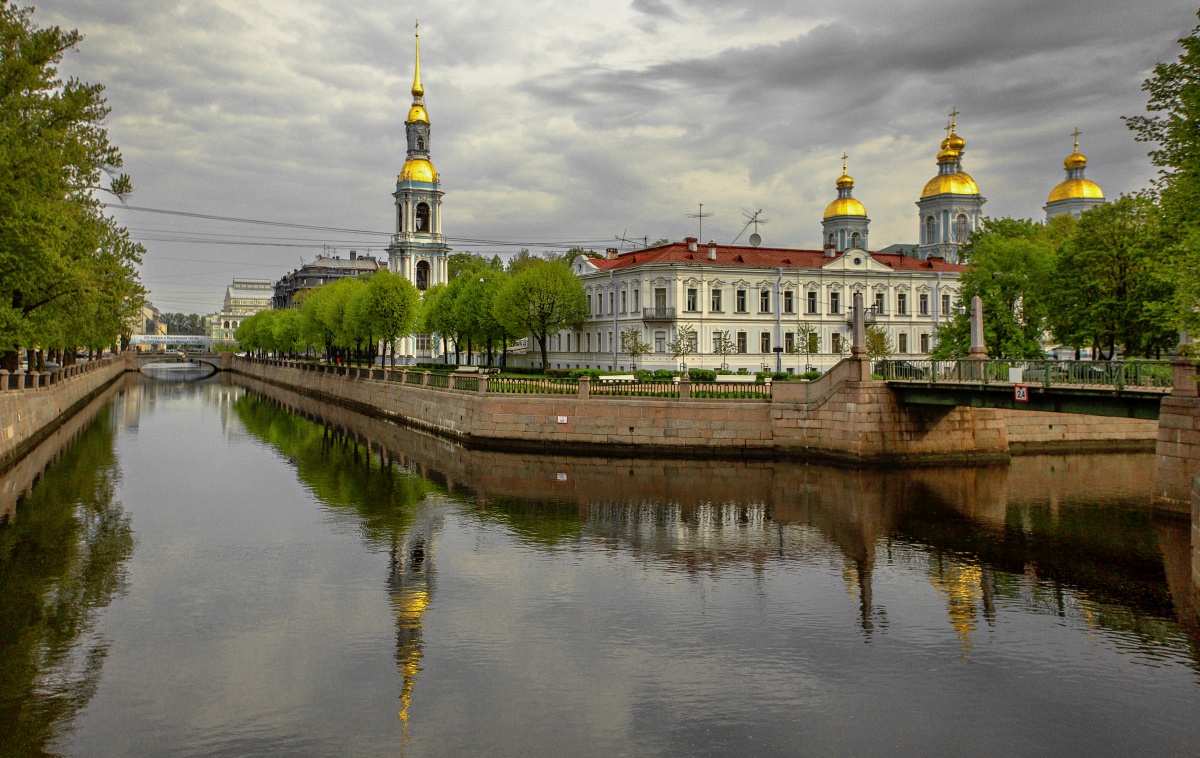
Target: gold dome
<point x="1076" y="189"/>
<point x="947" y="155"/>
<point x="1075" y="160"/>
<point x="955" y="142"/>
<point x="845" y="206"/>
<point x="951" y="184"/>
<point x="845" y="181"/>
<point x="417" y="170"/>
<point x="417" y="113"/>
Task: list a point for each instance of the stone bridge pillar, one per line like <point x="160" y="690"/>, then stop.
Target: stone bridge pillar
<point x="1177" y="453"/>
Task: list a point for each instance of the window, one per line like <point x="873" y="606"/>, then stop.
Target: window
<point x="610" y="303"/>
<point x="835" y="303"/>
<point x="424" y="341"/>
<point x="789" y="342"/>
<point x="960" y="229"/>
<point x="836" y="343"/>
<point x="423" y="275"/>
<point x="741" y="301"/>
<point x="923" y="304"/>
<point x="693" y="342"/>
<point x="660" y="342"/>
<point x="830" y="239"/>
<point x="717" y="342"/>
<point x="930" y="230"/>
<point x="879" y="302"/>
<point x="814" y="342"/>
<point x="812" y="301"/>
<point x="612" y="344"/>
<point x="589" y="342"/>
<point x="789" y="302"/>
<point x="716" y="301"/>
<point x="420" y="143"/>
<point x="764" y="301"/>
<point x="945" y="304"/>
<point x="636" y="306"/>
<point x="599" y="304"/>
<point x="924" y="343"/>
<point x="624" y="298"/>
<point x="901" y="304"/>
<point x="226" y="324"/>
<point x="741" y="342"/>
<point x="422" y="217"/>
<point x="902" y="343"/>
<point x="693" y="296"/>
<point x="764" y="342"/>
<point x="660" y="301"/>
<point x="856" y="240"/>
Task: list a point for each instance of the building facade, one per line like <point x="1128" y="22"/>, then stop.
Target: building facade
<point x="243" y="298"/>
<point x="324" y="270"/>
<point x="753" y="300"/>
<point x="951" y="206"/>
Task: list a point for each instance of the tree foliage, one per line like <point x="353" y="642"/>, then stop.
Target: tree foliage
<point x="68" y="273"/>
<point x="879" y="343"/>
<point x="543" y="298"/>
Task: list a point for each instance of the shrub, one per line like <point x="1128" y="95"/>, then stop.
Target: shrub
<point x="664" y="375"/>
<point x="810" y="375"/>
<point x="781" y="376"/>
<point x="702" y="375"/>
<point x="742" y="372"/>
<point x="725" y="372"/>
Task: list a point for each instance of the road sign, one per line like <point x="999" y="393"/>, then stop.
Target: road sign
<point x="1021" y="393"/>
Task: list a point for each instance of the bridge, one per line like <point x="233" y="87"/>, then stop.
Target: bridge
<point x="1127" y="389"/>
<point x="217" y="361"/>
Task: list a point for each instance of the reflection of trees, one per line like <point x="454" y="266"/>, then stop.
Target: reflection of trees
<point x="60" y="563"/>
<point x="344" y="473"/>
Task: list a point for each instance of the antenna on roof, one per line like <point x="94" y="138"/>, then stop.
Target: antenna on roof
<point x="701" y="215"/>
<point x="751" y="218"/>
<point x="621" y="238"/>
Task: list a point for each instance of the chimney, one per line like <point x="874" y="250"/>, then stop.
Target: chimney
<point x="353" y="254"/>
<point x="610" y="253"/>
<point x="691" y="243"/>
<point x="712" y="250"/>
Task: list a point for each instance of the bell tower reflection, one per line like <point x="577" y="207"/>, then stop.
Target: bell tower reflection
<point x="410" y="584"/>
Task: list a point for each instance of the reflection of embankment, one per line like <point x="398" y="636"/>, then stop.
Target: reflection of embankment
<point x="61" y="562"/>
<point x="1074" y="522"/>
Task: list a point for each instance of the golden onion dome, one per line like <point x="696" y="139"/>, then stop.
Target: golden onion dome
<point x="845" y="206"/>
<point x="951" y="184"/>
<point x="417" y="170"/>
<point x="417" y="113"/>
<point x="845" y="181"/>
<point x="947" y="155"/>
<point x="1076" y="189"/>
<point x="954" y="142"/>
<point x="1075" y="160"/>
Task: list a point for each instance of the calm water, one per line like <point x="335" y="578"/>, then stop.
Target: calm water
<point x="218" y="567"/>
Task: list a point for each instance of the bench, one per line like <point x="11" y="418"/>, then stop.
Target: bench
<point x="736" y="379"/>
<point x="618" y="378"/>
<point x="467" y="370"/>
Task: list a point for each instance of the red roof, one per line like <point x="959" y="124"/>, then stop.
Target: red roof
<point x="759" y="257"/>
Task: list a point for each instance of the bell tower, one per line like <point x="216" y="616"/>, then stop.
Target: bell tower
<point x="418" y="250"/>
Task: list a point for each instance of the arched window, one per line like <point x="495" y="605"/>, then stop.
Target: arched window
<point x="831" y="239"/>
<point x="420" y="143"/>
<point x="856" y="240"/>
<point x="423" y="274"/>
<point x="226" y="324"/>
<point x="930" y="230"/>
<point x="960" y="229"/>
<point x="399" y="218"/>
<point x="422" y="217"/>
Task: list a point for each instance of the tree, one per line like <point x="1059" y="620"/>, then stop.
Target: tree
<point x="1108" y="286"/>
<point x="393" y="305"/>
<point x="472" y="312"/>
<point x="1173" y="127"/>
<point x="683" y="345"/>
<point x="68" y="273"/>
<point x="1011" y="262"/>
<point x="541" y="299"/>
<point x="438" y="316"/>
<point x="806" y="336"/>
<point x="286" y="332"/>
<point x="724" y="346"/>
<point x="879" y="343"/>
<point x="633" y="345"/>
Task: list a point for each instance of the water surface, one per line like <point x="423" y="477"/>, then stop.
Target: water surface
<point x="220" y="567"/>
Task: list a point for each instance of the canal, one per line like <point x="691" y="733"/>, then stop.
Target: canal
<point x="215" y="566"/>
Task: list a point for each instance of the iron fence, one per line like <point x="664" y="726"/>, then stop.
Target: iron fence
<point x="636" y="389"/>
<point x="1118" y="374"/>
<point x="724" y="391"/>
<point x="533" y="386"/>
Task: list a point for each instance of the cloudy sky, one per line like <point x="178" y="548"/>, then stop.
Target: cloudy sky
<point x="556" y="122"/>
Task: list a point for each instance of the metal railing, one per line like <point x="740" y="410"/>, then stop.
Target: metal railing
<point x="636" y="389"/>
<point x="1118" y="374"/>
<point x="658" y="313"/>
<point x="466" y="383"/>
<point x="533" y="386"/>
<point x="438" y="380"/>
<point x="714" y="391"/>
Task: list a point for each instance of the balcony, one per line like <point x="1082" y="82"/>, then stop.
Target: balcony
<point x="658" y="313"/>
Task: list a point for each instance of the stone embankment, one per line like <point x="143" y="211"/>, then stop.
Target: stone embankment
<point x="844" y="415"/>
<point x="33" y="405"/>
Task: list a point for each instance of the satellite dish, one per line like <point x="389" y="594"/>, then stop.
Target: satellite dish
<point x="755" y="240"/>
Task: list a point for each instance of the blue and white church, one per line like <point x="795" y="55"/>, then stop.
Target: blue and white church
<point x="951" y="206"/>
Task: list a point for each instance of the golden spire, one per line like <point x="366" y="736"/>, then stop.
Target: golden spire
<point x="1075" y="160"/>
<point x="417" y="89"/>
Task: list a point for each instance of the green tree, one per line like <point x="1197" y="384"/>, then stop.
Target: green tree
<point x="724" y="346"/>
<point x="879" y="343"/>
<point x="633" y="345"/>
<point x="1172" y="126"/>
<point x="438" y="316"/>
<point x="683" y="345"/>
<point x="541" y="299"/>
<point x="287" y="334"/>
<point x="1011" y="264"/>
<point x="474" y="295"/>
<point x="68" y="273"/>
<point x="393" y="307"/>
<point x="1108" y="287"/>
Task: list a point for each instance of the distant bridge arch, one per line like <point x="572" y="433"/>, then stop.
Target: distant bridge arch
<point x="217" y="361"/>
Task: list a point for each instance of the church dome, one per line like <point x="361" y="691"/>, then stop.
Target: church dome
<point x="1075" y="160"/>
<point x="845" y="206"/>
<point x="1076" y="189"/>
<point x="951" y="184"/>
<point x="417" y="170"/>
<point x="845" y="181"/>
<point x="417" y="113"/>
<point x="955" y="142"/>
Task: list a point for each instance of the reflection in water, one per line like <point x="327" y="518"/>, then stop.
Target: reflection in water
<point x="61" y="562"/>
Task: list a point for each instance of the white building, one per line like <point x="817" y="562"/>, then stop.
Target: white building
<point x="759" y="298"/>
<point x="243" y="298"/>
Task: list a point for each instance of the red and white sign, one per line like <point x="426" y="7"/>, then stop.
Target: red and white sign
<point x="1021" y="393"/>
<point x="562" y="419"/>
<point x="562" y="476"/>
